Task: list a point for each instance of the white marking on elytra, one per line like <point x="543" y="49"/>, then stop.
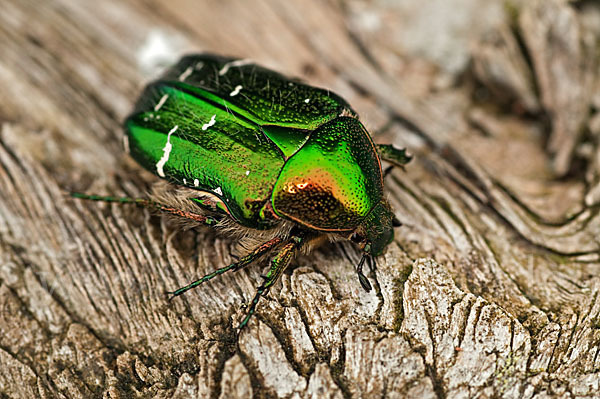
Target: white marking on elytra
<point x="307" y="100"/>
<point x="247" y="172"/>
<point x="210" y="123"/>
<point x="185" y="74"/>
<point x="161" y="102"/>
<point x="218" y="191"/>
<point x="233" y="64"/>
<point x="196" y="182"/>
<point x="126" y="143"/>
<point x="166" y="152"/>
<point x="199" y="65"/>
<point x="184" y="181"/>
<point x="236" y="91"/>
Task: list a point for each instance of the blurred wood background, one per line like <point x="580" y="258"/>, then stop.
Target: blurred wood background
<point x="490" y="289"/>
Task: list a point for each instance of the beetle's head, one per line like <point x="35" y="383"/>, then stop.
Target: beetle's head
<point x="376" y="231"/>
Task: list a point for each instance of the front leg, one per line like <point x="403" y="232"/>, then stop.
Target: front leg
<point x="395" y="156"/>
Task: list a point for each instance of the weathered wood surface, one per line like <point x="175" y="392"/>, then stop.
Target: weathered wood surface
<point x="490" y="289"/>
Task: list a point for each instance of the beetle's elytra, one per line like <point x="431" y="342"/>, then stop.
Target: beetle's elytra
<point x="263" y="152"/>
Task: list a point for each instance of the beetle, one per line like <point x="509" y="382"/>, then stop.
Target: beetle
<point x="262" y="155"/>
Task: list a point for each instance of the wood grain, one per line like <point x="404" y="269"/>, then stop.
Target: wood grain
<point x="489" y="290"/>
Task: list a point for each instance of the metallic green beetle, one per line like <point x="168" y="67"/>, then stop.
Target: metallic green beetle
<point x="265" y="154"/>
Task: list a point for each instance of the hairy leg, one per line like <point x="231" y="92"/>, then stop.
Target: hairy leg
<point x="147" y="203"/>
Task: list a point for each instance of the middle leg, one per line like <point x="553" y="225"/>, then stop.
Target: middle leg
<point x="278" y="265"/>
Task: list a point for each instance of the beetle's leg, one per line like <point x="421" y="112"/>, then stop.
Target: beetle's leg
<point x="372" y="262"/>
<point x="364" y="281"/>
<point x="207" y="204"/>
<point x="278" y="264"/>
<point x="146" y="203"/>
<point x="395" y="156"/>
<point x="244" y="261"/>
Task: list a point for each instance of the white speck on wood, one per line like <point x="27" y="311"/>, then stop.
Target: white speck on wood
<point x="126" y="143"/>
<point x="158" y="50"/>
<point x="259" y="343"/>
<point x="236" y="381"/>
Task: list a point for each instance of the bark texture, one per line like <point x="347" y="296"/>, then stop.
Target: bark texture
<point x="489" y="290"/>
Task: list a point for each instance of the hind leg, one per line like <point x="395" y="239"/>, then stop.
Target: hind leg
<point x="207" y="220"/>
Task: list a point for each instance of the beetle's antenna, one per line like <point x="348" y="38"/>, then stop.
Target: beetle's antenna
<point x="364" y="281"/>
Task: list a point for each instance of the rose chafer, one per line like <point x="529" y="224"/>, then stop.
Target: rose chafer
<point x="264" y="156"/>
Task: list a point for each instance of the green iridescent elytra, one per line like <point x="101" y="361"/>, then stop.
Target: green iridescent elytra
<point x="266" y="149"/>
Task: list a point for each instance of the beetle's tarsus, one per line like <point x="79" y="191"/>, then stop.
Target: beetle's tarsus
<point x="172" y="294"/>
<point x="251" y="309"/>
<point x="204" y="279"/>
<point x="242" y="262"/>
